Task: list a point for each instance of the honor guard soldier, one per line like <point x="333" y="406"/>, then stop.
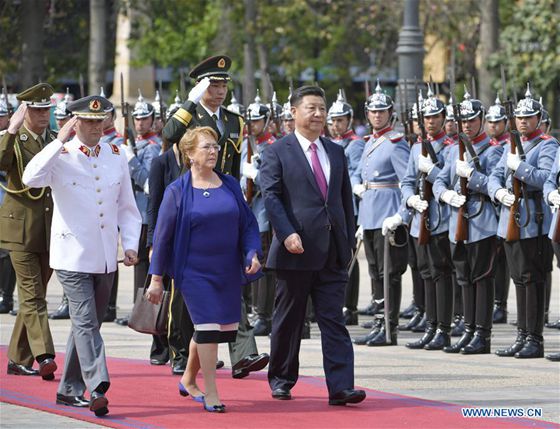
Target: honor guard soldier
<point x="382" y="167"/>
<point x="25" y="223"/>
<point x="275" y="123"/>
<point x="288" y="124"/>
<point x="204" y="108"/>
<point x="473" y="257"/>
<point x="432" y="249"/>
<point x="235" y="106"/>
<point x="546" y="124"/>
<point x="496" y="121"/>
<point x="450" y="121"/>
<point x="258" y="139"/>
<point x="94" y="204"/>
<point x="341" y="115"/>
<point x="159" y="110"/>
<point x="529" y="254"/>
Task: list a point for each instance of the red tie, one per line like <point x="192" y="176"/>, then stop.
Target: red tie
<point x="318" y="171"/>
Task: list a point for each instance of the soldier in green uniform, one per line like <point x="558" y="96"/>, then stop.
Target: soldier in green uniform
<point x="204" y="108"/>
<point x="25" y="223"/>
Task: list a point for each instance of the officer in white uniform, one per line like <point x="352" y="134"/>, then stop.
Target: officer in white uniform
<point x="93" y="200"/>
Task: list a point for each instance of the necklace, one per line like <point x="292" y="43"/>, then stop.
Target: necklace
<point x="206" y="194"/>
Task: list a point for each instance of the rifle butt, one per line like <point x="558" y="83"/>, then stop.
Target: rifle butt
<point x="513" y="231"/>
<point x="462" y="231"/>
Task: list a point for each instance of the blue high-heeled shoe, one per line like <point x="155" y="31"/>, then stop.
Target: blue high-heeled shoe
<point x="213" y="408"/>
<point x="184" y="392"/>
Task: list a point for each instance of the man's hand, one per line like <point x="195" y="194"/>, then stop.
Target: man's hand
<point x="417" y="203"/>
<point x="198" y="91"/>
<point x="293" y="243"/>
<point x="554" y="198"/>
<point x="360" y="233"/>
<point x="358" y="189"/>
<point x="391" y="223"/>
<point x="425" y="164"/>
<point x="16" y="121"/>
<point x="154" y="293"/>
<point x="463" y="169"/>
<point x="513" y="161"/>
<point x="453" y="198"/>
<point x="505" y="197"/>
<point x="255" y="265"/>
<point x="66" y="130"/>
<point x="130" y="258"/>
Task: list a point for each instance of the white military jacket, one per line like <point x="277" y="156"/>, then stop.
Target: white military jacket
<point x="93" y="199"/>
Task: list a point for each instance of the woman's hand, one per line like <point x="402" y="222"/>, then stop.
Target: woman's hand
<point x="255" y="265"/>
<point x="155" y="291"/>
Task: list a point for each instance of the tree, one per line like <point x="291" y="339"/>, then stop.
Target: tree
<point x="32" y="59"/>
<point x="489" y="38"/>
<point x="97" y="42"/>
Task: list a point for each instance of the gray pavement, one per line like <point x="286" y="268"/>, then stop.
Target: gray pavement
<point x="482" y="381"/>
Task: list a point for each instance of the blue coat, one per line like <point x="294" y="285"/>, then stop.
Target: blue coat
<point x="550" y="185"/>
<point x="533" y="172"/>
<point x="486" y="223"/>
<point x="438" y="211"/>
<point x="353" y="149"/>
<point x="384" y="161"/>
<point x="171" y="237"/>
<point x="294" y="203"/>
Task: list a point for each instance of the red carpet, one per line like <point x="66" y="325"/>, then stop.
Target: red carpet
<point x="145" y="396"/>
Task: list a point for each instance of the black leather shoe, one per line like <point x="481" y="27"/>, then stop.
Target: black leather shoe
<point x="47" y="367"/>
<point x="479" y="345"/>
<point x="372" y="309"/>
<point x="440" y="340"/>
<point x="409" y="312"/>
<point x="72" y="401"/>
<point x="425" y="339"/>
<point x="368" y="324"/>
<point x="499" y="315"/>
<point x="555" y="357"/>
<point x="16" y="369"/>
<point x="13" y="312"/>
<point x="421" y="326"/>
<point x="110" y="314"/>
<point x="178" y="369"/>
<point x="533" y="348"/>
<point x="306" y="331"/>
<point x="463" y="341"/>
<point x="219" y="364"/>
<point x="553" y="325"/>
<point x="154" y="361"/>
<point x="261" y="328"/>
<point x="361" y="341"/>
<point x="515" y="347"/>
<point x="458" y="327"/>
<point x="98" y="404"/>
<point x="380" y="339"/>
<point x="62" y="312"/>
<point x="249" y="364"/>
<point x="123" y="321"/>
<point x="6" y="305"/>
<point x="413" y="322"/>
<point x="281" y="394"/>
<point x="350" y="317"/>
<point x="348" y="396"/>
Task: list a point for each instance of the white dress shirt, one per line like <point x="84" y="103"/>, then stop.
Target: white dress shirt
<point x="321" y="153"/>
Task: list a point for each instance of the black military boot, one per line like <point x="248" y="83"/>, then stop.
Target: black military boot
<point x="515" y="347"/>
<point x="409" y="312"/>
<point x="458" y="326"/>
<point x="6" y="304"/>
<point x="480" y="344"/>
<point x="62" y="312"/>
<point x="361" y="341"/>
<point x="421" y="326"/>
<point x="533" y="348"/>
<point x="414" y="321"/>
<point x="261" y="328"/>
<point x="500" y="313"/>
<point x="350" y="317"/>
<point x="381" y="340"/>
<point x="463" y="341"/>
<point x="440" y="340"/>
<point x="110" y="314"/>
<point x="425" y="339"/>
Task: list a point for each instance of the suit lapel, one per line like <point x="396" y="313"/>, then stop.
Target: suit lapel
<point x="304" y="164"/>
<point x="205" y="120"/>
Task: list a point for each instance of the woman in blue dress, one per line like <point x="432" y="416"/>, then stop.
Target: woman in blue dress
<point x="207" y="240"/>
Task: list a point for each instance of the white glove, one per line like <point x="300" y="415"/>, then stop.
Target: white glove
<point x="417" y="203"/>
<point x="360" y="233"/>
<point x="513" y="161"/>
<point x="256" y="159"/>
<point x="554" y="198"/>
<point x="198" y="91"/>
<point x="453" y="198"/>
<point x="425" y="164"/>
<point x="358" y="189"/>
<point x="505" y="197"/>
<point x="127" y="149"/>
<point x="463" y="169"/>
<point x="391" y="223"/>
<point x="249" y="170"/>
<point x="146" y="187"/>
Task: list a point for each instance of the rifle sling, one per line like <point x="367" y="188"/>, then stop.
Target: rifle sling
<point x="482" y="149"/>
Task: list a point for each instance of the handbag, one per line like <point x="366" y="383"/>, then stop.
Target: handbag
<point x="148" y="318"/>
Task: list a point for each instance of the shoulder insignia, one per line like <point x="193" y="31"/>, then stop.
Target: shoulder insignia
<point x="494" y="142"/>
<point x="115" y="149"/>
<point x="396" y="138"/>
<point x="64" y="150"/>
<point x="367" y="138"/>
<point x="448" y="141"/>
<point x="546" y="136"/>
<point x="23" y="137"/>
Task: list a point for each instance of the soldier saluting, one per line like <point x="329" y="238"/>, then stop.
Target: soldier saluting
<point x="25" y="222"/>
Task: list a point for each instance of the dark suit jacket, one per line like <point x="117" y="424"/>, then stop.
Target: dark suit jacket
<point x="163" y="171"/>
<point x="294" y="203"/>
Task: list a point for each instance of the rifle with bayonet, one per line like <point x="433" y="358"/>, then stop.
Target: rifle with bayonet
<point x="556" y="231"/>
<point x="128" y="136"/>
<point x="251" y="146"/>
<point x="513" y="228"/>
<point x="462" y="230"/>
<point x="406" y="116"/>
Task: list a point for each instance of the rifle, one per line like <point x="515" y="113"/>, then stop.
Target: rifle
<point x="425" y="188"/>
<point x="462" y="231"/>
<point x="556" y="231"/>
<point x="125" y="111"/>
<point x="250" y="149"/>
<point x="513" y="229"/>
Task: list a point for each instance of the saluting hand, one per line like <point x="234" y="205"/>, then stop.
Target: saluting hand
<point x="66" y="131"/>
<point x="293" y="243"/>
<point x="16" y="121"/>
<point x="130" y="258"/>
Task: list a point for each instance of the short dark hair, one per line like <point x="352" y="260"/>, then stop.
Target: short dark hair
<point x="302" y="91"/>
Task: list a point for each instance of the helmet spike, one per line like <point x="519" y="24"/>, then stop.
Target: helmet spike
<point x="528" y="92"/>
<point x="467" y="95"/>
<point x="101" y="92"/>
<point x="497" y="100"/>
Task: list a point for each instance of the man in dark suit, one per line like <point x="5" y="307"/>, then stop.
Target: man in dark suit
<point x="308" y="197"/>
